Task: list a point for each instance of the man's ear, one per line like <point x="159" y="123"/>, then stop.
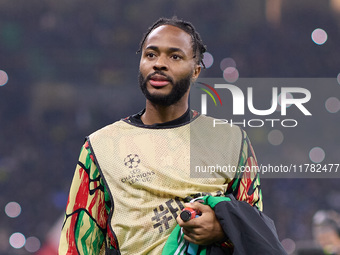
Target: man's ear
<point x="196" y="73"/>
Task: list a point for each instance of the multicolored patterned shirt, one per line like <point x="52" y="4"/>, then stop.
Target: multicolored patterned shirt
<point x="90" y="206"/>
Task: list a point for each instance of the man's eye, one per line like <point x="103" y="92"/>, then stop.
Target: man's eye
<point x="150" y="55"/>
<point x="176" y="57"/>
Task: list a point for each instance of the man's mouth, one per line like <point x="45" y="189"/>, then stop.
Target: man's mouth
<point x="158" y="80"/>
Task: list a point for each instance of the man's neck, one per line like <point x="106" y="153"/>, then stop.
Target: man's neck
<point x="159" y="114"/>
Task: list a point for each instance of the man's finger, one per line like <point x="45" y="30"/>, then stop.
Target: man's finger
<point x="198" y="206"/>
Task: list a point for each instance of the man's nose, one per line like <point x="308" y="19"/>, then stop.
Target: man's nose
<point x="161" y="63"/>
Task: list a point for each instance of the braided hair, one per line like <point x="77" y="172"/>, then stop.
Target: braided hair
<point x="197" y="44"/>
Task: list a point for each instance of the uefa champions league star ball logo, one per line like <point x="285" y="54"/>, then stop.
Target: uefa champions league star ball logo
<point x="134" y="174"/>
<point x="132" y="160"/>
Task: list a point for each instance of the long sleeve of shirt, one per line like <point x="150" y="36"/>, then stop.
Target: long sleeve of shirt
<point x="85" y="226"/>
<point x="246" y="184"/>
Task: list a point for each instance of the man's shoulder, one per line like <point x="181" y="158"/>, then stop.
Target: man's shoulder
<point x="113" y="127"/>
<point x="215" y="124"/>
<point x="214" y="130"/>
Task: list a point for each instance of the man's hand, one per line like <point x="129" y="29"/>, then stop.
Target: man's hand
<point x="203" y="230"/>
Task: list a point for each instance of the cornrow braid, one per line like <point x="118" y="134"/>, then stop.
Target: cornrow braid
<point x="197" y="44"/>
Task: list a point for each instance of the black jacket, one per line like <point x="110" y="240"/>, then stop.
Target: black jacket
<point x="251" y="231"/>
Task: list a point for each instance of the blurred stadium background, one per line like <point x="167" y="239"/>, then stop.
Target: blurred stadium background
<point x="70" y="67"/>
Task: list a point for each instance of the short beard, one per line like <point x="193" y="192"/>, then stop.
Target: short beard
<point x="178" y="90"/>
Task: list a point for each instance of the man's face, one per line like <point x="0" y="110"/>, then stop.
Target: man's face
<point x="167" y="66"/>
